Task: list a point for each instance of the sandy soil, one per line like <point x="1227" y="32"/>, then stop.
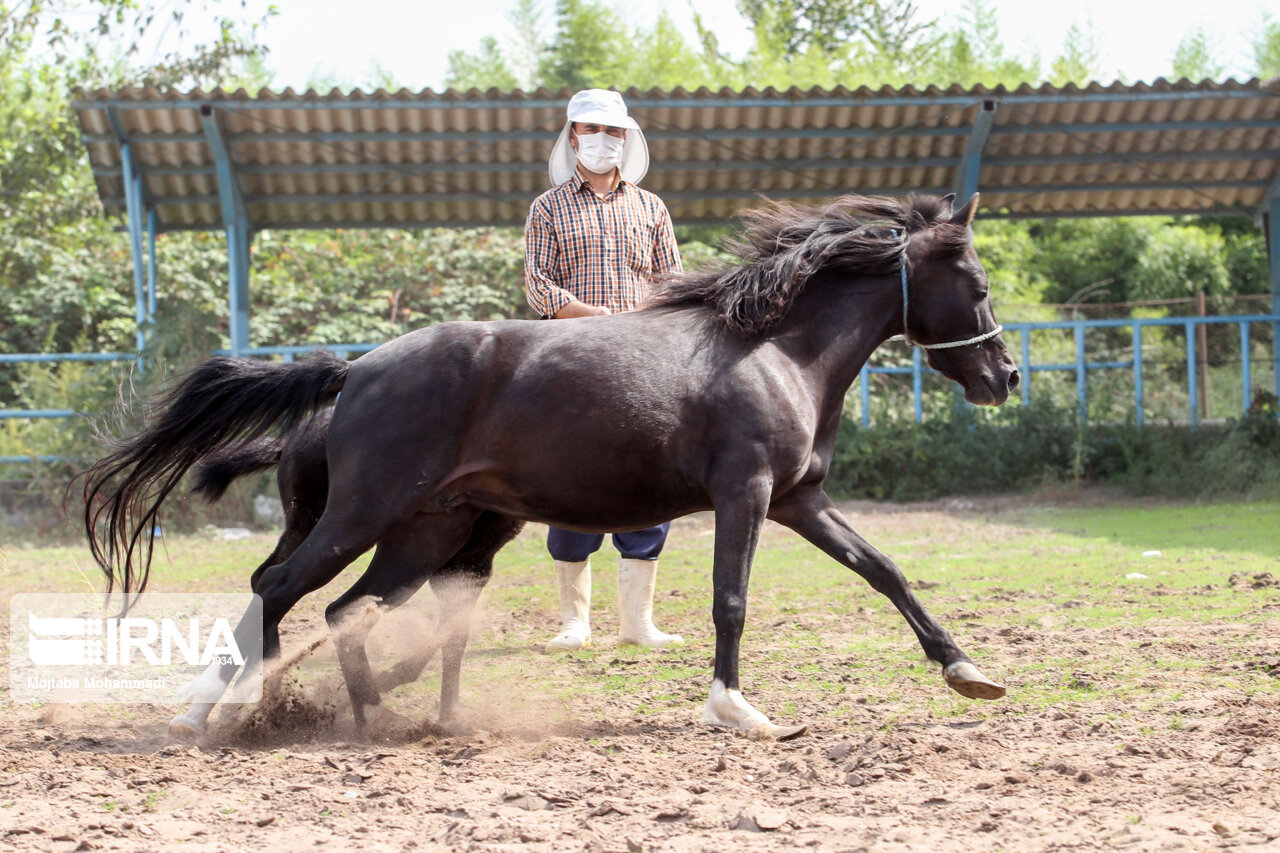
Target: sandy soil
<point x="878" y="773"/>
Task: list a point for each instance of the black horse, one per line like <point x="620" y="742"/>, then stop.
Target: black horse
<point x="723" y="394"/>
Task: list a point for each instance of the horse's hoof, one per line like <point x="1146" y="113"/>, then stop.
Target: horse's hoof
<point x="186" y="727"/>
<point x="965" y="679"/>
<point x="455" y="727"/>
<point x="729" y="709"/>
<point x="770" y="732"/>
<point x="381" y="724"/>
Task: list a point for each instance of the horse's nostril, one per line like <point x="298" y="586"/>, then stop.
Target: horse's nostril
<point x="1013" y="380"/>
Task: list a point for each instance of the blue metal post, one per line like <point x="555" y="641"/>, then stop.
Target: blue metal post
<point x="1246" y="367"/>
<point x="1026" y="367"/>
<point x="151" y="265"/>
<point x="235" y="220"/>
<point x="133" y="206"/>
<point x="1193" y="392"/>
<point x="1139" y="416"/>
<point x="1082" y="405"/>
<point x="1273" y="244"/>
<point x="917" y="382"/>
<point x="864" y="391"/>
<point x="971" y="160"/>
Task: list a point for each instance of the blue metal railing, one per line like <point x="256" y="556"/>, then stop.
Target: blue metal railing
<point x="1081" y="365"/>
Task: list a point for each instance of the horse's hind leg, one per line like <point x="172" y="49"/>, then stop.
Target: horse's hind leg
<point x="458" y="586"/>
<point x="406" y="556"/>
<point x="816" y="518"/>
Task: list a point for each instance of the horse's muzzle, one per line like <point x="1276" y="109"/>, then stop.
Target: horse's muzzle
<point x="992" y="387"/>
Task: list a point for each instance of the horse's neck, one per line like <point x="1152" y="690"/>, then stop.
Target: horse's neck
<point x="837" y="323"/>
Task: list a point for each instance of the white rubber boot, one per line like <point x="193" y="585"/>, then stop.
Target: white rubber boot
<point x="636" y="580"/>
<point x="575" y="606"/>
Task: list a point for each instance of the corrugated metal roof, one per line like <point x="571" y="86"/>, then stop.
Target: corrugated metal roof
<point x="407" y="159"/>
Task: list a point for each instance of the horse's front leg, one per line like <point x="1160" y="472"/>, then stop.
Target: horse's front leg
<point x="738" y="521"/>
<point x="816" y="518"/>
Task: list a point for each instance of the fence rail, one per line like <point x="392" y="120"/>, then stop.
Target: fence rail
<point x="1081" y="365"/>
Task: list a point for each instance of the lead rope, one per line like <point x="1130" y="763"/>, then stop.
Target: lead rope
<point x="906" y="338"/>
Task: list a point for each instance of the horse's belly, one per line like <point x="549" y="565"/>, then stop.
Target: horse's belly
<point x="578" y="500"/>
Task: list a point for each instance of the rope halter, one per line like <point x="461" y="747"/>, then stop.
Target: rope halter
<point x="905" y="337"/>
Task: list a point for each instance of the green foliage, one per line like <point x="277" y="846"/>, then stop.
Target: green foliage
<point x="590" y="44"/>
<point x="1124" y="259"/>
<point x="1017" y="448"/>
<point x="483" y="69"/>
<point x="1266" y="48"/>
<point x="1079" y="60"/>
<point x="952" y="455"/>
<point x="1178" y="261"/>
<point x="800" y="43"/>
<point x="1197" y="57"/>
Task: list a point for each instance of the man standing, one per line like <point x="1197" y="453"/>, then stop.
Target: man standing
<point x="593" y="245"/>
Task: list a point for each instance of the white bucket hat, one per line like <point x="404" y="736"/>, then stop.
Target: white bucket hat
<point x="599" y="106"/>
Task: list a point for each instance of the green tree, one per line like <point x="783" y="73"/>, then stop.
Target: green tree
<point x="1195" y="57"/>
<point x="588" y="49"/>
<point x="64" y="273"/>
<point x="486" y="68"/>
<point x="1179" y="260"/>
<point x="1078" y="62"/>
<point x="1266" y="48"/>
<point x="973" y="52"/>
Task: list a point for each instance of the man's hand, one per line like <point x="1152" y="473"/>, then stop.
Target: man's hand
<point x="580" y="309"/>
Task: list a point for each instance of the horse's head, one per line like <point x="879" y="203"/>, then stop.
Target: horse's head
<point x="948" y="303"/>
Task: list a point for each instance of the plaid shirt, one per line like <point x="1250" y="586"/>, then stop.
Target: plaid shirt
<point x="601" y="251"/>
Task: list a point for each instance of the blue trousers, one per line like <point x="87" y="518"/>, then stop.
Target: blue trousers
<point x="572" y="547"/>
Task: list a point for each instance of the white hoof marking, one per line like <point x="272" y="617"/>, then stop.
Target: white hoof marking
<point x="206" y="688"/>
<point x="730" y="709"/>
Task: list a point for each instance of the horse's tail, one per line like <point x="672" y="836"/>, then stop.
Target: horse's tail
<point x="214" y="474"/>
<point x="223" y="401"/>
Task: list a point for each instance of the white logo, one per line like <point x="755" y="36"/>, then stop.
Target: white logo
<point x="55" y="641"/>
<point x="88" y="648"/>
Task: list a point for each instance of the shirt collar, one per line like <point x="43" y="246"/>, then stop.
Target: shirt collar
<point x="583" y="182"/>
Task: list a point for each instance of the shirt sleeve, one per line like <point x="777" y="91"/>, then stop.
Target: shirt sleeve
<point x="666" y="254"/>
<point x="541" y="251"/>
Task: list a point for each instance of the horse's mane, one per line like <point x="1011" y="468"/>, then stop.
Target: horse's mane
<point x="783" y="245"/>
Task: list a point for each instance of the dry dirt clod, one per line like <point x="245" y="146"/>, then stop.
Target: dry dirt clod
<point x="1084" y="776"/>
<point x="839" y="752"/>
<point x="769" y="820"/>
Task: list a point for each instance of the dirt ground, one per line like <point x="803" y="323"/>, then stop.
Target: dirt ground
<point x="875" y="773"/>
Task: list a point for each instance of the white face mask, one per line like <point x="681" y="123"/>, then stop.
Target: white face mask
<point x="599" y="152"/>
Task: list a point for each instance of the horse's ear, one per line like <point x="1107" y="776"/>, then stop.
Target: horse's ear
<point x="948" y="204"/>
<point x="964" y="216"/>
